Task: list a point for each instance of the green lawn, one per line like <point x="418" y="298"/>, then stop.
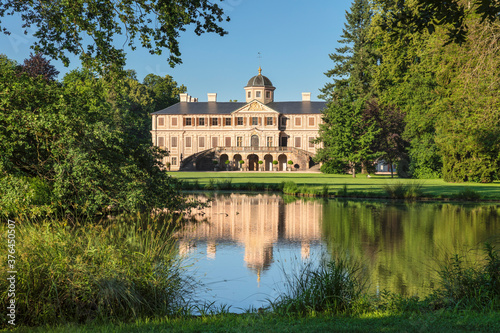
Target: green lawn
<point x="374" y="322"/>
<point x="436" y="188"/>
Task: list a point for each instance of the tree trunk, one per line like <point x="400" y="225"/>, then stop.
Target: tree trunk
<point x="392" y="170"/>
<point x="364" y="168"/>
<point x="353" y="165"/>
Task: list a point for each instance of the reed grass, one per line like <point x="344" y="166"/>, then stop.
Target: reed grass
<point x="118" y="271"/>
<point x="334" y="286"/>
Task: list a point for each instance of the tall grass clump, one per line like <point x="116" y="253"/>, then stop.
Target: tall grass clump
<point x="123" y="270"/>
<point x="333" y="286"/>
<point x="471" y="286"/>
<point x="400" y="190"/>
<point x="290" y="188"/>
<point x="467" y="194"/>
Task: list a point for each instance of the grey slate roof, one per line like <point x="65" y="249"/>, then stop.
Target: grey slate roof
<point x="259" y="81"/>
<point x="228" y="107"/>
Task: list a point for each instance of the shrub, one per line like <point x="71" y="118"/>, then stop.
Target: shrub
<point x="334" y="167"/>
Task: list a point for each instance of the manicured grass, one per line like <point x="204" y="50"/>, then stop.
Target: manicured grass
<point x="434" y="188"/>
<point x="373" y="322"/>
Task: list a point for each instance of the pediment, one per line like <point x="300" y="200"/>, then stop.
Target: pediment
<point x="254" y="106"/>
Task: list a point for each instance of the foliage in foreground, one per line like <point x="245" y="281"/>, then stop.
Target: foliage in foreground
<point x="469" y="286"/>
<point x="338" y="287"/>
<point x="121" y="270"/>
<point x="81" y="145"/>
<point x="333" y="286"/>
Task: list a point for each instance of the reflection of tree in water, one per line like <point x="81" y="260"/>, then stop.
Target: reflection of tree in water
<point x="257" y="222"/>
<point x="401" y="244"/>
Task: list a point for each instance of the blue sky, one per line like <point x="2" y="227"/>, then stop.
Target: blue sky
<point x="294" y="38"/>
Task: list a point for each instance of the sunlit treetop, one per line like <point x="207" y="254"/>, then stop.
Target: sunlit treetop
<point x="88" y="28"/>
<point x="420" y="15"/>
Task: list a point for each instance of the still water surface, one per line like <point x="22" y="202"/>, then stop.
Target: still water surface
<point x="246" y="242"/>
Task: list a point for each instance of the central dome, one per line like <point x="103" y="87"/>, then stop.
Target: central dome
<point x="259" y="81"/>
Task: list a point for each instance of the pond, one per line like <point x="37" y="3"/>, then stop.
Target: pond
<point x="244" y="243"/>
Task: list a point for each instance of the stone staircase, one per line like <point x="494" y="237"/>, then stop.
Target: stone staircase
<point x="201" y="161"/>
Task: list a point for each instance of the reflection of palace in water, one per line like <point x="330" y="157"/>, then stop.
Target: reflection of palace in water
<point x="256" y="222"/>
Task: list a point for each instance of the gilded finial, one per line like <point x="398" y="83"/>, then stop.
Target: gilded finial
<point x="260" y="70"/>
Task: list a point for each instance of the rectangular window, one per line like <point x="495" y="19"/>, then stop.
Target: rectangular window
<point x="249" y="94"/>
<point x="255" y="121"/>
<point x="228" y="142"/>
<point x="239" y="121"/>
<point x="311" y="121"/>
<point x="174" y="160"/>
<point x="284" y="141"/>
<point x="201" y="122"/>
<point x="269" y="141"/>
<point x="161" y="141"/>
<point x="215" y="121"/>
<point x="283" y="121"/>
<point x="311" y="143"/>
<point x="161" y="121"/>
<point x="174" y="142"/>
<point x="215" y="142"/>
<point x="188" y="121"/>
<point x="297" y="121"/>
<point x="188" y="142"/>
<point x="297" y="142"/>
<point x="268" y="94"/>
<point x="269" y="121"/>
<point x="201" y="142"/>
<point x="228" y="121"/>
<point x="174" y="121"/>
<point x="239" y="141"/>
<point x="257" y="94"/>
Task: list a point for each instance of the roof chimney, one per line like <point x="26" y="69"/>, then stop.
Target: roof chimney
<point x="306" y="97"/>
<point x="212" y="97"/>
<point x="183" y="98"/>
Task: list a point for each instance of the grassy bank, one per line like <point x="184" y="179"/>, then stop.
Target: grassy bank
<point x="373" y="322"/>
<point x="344" y="185"/>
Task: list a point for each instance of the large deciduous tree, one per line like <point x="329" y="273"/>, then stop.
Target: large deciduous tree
<point x="90" y="28"/>
<point x="85" y="139"/>
<point x="164" y="90"/>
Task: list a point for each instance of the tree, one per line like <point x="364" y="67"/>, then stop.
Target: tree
<point x="89" y="28"/>
<point x="354" y="60"/>
<point x="346" y="136"/>
<point x="36" y="65"/>
<point x="85" y="140"/>
<point x="426" y="15"/>
<point x="164" y="90"/>
<point x="389" y="141"/>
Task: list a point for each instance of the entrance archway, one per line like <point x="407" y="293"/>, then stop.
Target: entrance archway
<point x="282" y="162"/>
<point x="222" y="162"/>
<point x="237" y="158"/>
<point x="254" y="141"/>
<point x="268" y="162"/>
<point x="253" y="162"/>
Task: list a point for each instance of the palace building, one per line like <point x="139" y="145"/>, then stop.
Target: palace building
<point x="198" y="133"/>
